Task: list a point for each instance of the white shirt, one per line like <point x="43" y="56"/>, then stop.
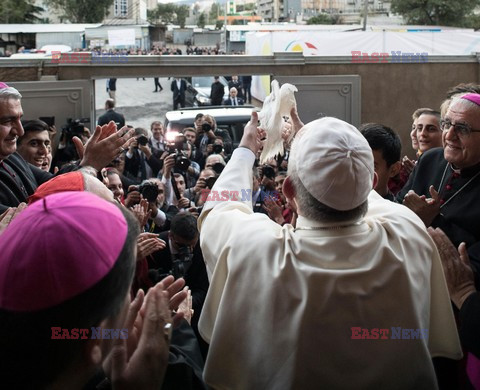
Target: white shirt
<point x="282" y="303"/>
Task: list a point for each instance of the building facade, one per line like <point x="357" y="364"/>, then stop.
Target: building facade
<point x="301" y="10"/>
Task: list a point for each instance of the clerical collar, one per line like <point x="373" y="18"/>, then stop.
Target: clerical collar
<point x="466" y="172"/>
<point x="308" y="224"/>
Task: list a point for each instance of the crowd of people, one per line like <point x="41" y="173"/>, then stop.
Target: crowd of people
<point x="154" y="50"/>
<point x="140" y="257"/>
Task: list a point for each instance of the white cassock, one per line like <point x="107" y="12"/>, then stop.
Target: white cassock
<point x="282" y="303"/>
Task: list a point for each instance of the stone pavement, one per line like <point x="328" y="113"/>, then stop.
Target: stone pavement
<point x="136" y="100"/>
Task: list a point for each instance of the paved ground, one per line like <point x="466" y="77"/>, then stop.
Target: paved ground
<point x="136" y="100"/>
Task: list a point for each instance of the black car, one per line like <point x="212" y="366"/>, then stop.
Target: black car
<point x="198" y="90"/>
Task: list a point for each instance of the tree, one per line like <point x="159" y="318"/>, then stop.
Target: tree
<point x="19" y="11"/>
<point x="82" y="11"/>
<point x="182" y="14"/>
<point x="215" y="11"/>
<point x="202" y="20"/>
<point x="163" y="14"/>
<point x="473" y="21"/>
<point x="435" y="12"/>
<point x="321" y="19"/>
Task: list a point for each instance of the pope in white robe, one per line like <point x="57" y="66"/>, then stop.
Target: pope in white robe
<point x="286" y="305"/>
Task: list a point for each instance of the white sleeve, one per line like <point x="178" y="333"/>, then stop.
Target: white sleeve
<point x="234" y="183"/>
<point x="160" y="218"/>
<point x="168" y="190"/>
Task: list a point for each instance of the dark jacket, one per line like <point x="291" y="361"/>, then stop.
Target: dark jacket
<point x="178" y="93"/>
<point x="237" y="85"/>
<point x="229" y="102"/>
<point x="196" y="277"/>
<point x="11" y="192"/>
<point x="216" y="93"/>
<point x="111" y="115"/>
<point x="134" y="165"/>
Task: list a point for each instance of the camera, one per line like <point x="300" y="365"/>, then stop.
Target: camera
<point x="268" y="172"/>
<point x="206" y="127"/>
<point x="181" y="162"/>
<point x="74" y="127"/>
<point x="218" y="168"/>
<point x="210" y="181"/>
<point x="149" y="191"/>
<point x="142" y="140"/>
<point x="217" y="149"/>
<point x="181" y="262"/>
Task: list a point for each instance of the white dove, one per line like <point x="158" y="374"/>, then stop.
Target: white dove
<point x="276" y="105"/>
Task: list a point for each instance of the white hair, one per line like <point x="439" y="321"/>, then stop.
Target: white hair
<point x="10" y="93"/>
<point x="222" y="161"/>
<point x="465" y="104"/>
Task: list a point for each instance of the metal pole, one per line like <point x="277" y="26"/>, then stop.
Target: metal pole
<point x="365" y="14"/>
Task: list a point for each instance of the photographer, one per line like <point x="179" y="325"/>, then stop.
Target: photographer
<point x="140" y="162"/>
<point x="217" y="148"/>
<point x="215" y="162"/>
<point x="267" y="178"/>
<point x="183" y="203"/>
<point x="155" y="193"/>
<point x="182" y="257"/>
<point x="209" y="127"/>
<point x="184" y="165"/>
<point x="204" y="184"/>
<point x="196" y="155"/>
<point x="66" y="150"/>
<point x="193" y="170"/>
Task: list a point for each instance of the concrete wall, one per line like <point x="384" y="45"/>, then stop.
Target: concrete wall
<point x="317" y="96"/>
<point x="182" y="36"/>
<point x="72" y="39"/>
<point x="207" y="39"/>
<point x="389" y="92"/>
<point x="61" y="99"/>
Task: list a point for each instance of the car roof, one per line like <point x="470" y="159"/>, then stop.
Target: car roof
<point x="221" y="114"/>
<point x="206" y="81"/>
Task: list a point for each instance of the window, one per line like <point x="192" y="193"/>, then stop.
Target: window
<point x="120" y="8"/>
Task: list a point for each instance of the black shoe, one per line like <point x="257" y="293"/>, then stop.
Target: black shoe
<point x="155" y="91"/>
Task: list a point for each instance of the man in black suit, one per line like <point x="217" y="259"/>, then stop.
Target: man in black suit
<point x="182" y="257"/>
<point x="111" y="115"/>
<point x="247" y="84"/>
<point x="217" y="90"/>
<point x="140" y="162"/>
<point x="18" y="179"/>
<point x="233" y="100"/>
<point x="178" y="87"/>
<point x="112" y="88"/>
<point x="235" y="83"/>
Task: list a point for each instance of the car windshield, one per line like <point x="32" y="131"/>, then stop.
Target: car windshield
<point x="202" y="82"/>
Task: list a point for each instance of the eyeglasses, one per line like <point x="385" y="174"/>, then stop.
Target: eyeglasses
<point x="461" y="129"/>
